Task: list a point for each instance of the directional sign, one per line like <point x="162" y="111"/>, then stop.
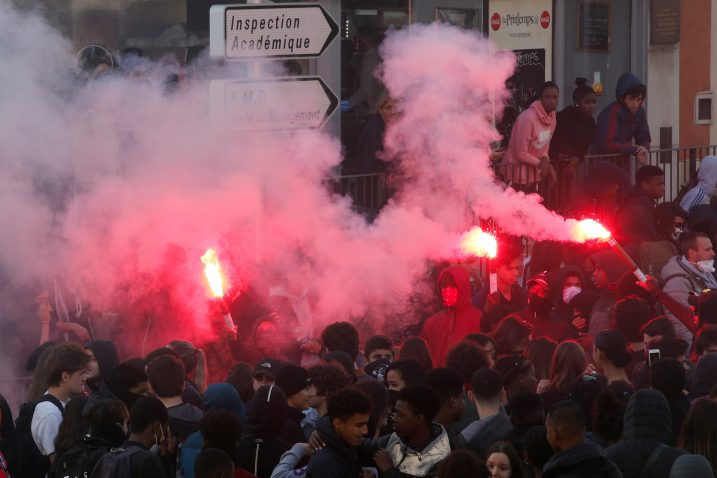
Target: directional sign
<point x="282" y="103"/>
<point x="239" y="32"/>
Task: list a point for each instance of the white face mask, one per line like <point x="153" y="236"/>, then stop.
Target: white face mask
<point x="707" y="266"/>
<point x="570" y="292"/>
<point x="676" y="233"/>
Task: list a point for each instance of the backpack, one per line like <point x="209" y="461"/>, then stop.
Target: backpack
<point x="23" y="457"/>
<point x="116" y="463"/>
<point x="77" y="462"/>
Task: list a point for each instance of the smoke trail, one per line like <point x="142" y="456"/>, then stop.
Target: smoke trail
<point x="115" y="187"/>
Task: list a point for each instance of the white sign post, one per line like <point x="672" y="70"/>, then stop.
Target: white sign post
<point x="281" y="103"/>
<point x="240" y="32"/>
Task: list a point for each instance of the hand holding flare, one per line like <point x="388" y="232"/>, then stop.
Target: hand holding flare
<point x="215" y="277"/>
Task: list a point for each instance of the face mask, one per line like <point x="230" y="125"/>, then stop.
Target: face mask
<point x="676" y="233"/>
<point x="540" y="305"/>
<point x="570" y="292"/>
<point x="450" y="296"/>
<point x="155" y="449"/>
<point x="707" y="266"/>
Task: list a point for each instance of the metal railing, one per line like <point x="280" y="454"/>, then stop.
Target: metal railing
<point x="369" y="192"/>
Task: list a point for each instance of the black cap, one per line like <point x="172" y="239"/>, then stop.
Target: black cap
<point x="292" y="379"/>
<point x="268" y="367"/>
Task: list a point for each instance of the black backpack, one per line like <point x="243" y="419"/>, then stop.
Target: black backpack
<point x="23" y="457"/>
<point x="117" y="463"/>
<point x="77" y="462"/>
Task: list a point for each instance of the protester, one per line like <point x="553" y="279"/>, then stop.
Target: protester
<point x="631" y="314"/>
<point x="167" y="377"/>
<point x="574" y="455"/>
<point x="221" y="430"/>
<point x="260" y="449"/>
<point x="240" y="376"/>
<point x="415" y="348"/>
<point x="574" y="132"/>
<point x="341" y="336"/>
<point x="489" y="396"/>
<point x="466" y="357"/>
<point x="611" y="355"/>
<point x="404" y="373"/>
<point x="607" y="269"/>
<point x="648" y="430"/>
<point x="448" y="385"/>
<point x="537" y="450"/>
<point x="265" y="373"/>
<point x="526" y="411"/>
<point x="462" y="464"/>
<point x="503" y="461"/>
<point x="195" y="367"/>
<point x="149" y="439"/>
<point x="689" y="273"/>
<point x="669" y="377"/>
<point x="635" y="221"/>
<point x="624" y="121"/>
<point x="342" y="430"/>
<point x="509" y="298"/>
<point x="526" y="160"/>
<point x="512" y="335"/>
<point x="487" y="344"/>
<point x="378" y="419"/>
<point x="699" y="434"/>
<point x="378" y="347"/>
<point x="326" y="380"/>
<point x="705" y="376"/>
<point x="540" y="352"/>
<point x="458" y="317"/>
<point x="126" y="382"/>
<point x="568" y="363"/>
<point x="706" y="341"/>
<point x="73" y="426"/>
<point x="518" y="374"/>
<point x="103" y="359"/>
<point x="706" y="183"/>
<point x="295" y="382"/>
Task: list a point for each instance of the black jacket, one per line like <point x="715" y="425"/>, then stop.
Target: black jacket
<point x="648" y="422"/>
<point x="586" y="460"/>
<point x="573" y="134"/>
<point x="495" y="429"/>
<point x="292" y="432"/>
<point x="636" y="219"/>
<point x="337" y="459"/>
<point x="267" y="448"/>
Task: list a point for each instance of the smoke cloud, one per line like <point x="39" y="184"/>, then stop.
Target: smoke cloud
<point x="114" y="188"/>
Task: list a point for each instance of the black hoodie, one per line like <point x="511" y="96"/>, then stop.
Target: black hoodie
<point x="261" y="449"/>
<point x="648" y="423"/>
<point x="586" y="460"/>
<point x="107" y="358"/>
<point x="337" y="459"/>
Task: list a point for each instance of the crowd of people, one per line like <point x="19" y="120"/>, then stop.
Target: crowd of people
<point x="565" y="376"/>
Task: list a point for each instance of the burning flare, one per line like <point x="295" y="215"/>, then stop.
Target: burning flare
<point x="589" y="229"/>
<point x="477" y="242"/>
<point x="213" y="272"/>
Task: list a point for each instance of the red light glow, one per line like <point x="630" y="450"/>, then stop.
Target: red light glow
<point x="213" y="272"/>
<point x="589" y="229"/>
<point x="477" y="242"/>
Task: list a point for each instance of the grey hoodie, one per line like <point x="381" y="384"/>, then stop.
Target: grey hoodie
<point x="706" y="183"/>
<point x="681" y="278"/>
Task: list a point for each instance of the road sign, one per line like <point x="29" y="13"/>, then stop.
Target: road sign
<point x="273" y="104"/>
<point x="240" y="32"/>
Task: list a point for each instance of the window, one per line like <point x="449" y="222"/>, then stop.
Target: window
<point x="703" y="108"/>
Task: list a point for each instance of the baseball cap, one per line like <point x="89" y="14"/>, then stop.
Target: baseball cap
<point x="267" y="366"/>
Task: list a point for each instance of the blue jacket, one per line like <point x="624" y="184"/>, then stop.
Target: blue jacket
<point x="616" y="126"/>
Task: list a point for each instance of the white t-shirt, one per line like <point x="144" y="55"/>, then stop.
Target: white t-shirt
<point x="45" y="425"/>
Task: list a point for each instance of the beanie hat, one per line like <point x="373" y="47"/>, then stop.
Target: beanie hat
<point x="292" y="379"/>
<point x="691" y="466"/>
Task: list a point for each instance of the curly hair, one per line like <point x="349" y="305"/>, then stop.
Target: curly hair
<point x="466" y="357"/>
<point x="341" y="336"/>
<point x="328" y="379"/>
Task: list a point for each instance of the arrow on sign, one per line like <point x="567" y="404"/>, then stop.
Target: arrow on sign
<point x="282" y="103"/>
<point x="269" y="31"/>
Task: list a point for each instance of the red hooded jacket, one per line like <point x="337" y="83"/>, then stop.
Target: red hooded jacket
<point x="451" y="325"/>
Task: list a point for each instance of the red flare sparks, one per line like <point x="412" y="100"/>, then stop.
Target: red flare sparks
<point x="477" y="242"/>
<point x="589" y="229"/>
<point x="213" y="273"/>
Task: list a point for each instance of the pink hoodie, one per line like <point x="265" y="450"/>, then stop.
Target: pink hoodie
<point x="529" y="142"/>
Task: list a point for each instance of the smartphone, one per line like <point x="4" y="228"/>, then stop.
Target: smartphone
<point x="653" y="355"/>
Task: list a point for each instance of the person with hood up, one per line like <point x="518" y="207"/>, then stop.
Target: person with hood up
<point x="261" y="449"/>
<point x="526" y="160"/>
<point x="509" y="297"/>
<point x="458" y="318"/>
<point x="705" y="376"/>
<point x="574" y="455"/>
<point x="647" y="430"/>
<point x="567" y="283"/>
<point x="126" y="382"/>
<point x="702" y="193"/>
<point x="687" y="274"/>
<point x="607" y="269"/>
<point x="103" y="359"/>
<point x="218" y="396"/>
<point x="622" y="126"/>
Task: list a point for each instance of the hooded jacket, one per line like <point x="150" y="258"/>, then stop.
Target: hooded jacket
<point x="647" y="424"/>
<point x="529" y="142"/>
<point x="706" y="184"/>
<point x="261" y="449"/>
<point x="107" y="359"/>
<point x="602" y="309"/>
<point x="586" y="460"/>
<point x="617" y="126"/>
<point x="337" y="459"/>
<point x="443" y="330"/>
<point x="559" y="325"/>
<point x="680" y="279"/>
<point x="705" y="377"/>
